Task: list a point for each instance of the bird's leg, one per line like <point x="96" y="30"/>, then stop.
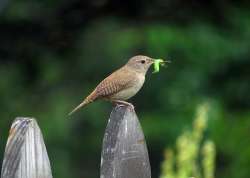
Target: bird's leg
<point x="123" y="103"/>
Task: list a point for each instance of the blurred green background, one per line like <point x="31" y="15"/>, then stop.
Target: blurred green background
<point x="53" y="53"/>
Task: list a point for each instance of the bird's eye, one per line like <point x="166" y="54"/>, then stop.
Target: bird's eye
<point x="143" y="61"/>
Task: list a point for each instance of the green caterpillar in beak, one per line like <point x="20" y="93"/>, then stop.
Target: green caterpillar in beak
<point x="158" y="63"/>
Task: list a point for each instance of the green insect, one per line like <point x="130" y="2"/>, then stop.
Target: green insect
<point x="157" y="64"/>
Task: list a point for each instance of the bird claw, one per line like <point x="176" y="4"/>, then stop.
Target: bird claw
<point x="131" y="107"/>
<point x="120" y="105"/>
<point x="124" y="103"/>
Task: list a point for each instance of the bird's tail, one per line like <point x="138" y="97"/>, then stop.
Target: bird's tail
<point x="88" y="100"/>
<point x="78" y="107"/>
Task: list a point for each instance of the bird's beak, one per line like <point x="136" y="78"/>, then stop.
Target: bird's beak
<point x="163" y="61"/>
<point x="167" y="61"/>
<point x="151" y="60"/>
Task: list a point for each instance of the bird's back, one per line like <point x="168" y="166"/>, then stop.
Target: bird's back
<point x="118" y="81"/>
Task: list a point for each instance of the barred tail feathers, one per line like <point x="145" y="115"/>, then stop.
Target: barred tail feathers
<point x="87" y="100"/>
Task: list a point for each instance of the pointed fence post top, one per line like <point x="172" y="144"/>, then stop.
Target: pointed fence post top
<point x="124" y="152"/>
<point x="25" y="153"/>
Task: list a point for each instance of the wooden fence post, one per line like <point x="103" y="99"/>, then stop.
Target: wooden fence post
<point x="25" y="153"/>
<point x="124" y="152"/>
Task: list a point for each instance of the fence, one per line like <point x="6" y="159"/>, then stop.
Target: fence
<point x="124" y="151"/>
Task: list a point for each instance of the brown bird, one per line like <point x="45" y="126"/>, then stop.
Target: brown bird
<point x="121" y="85"/>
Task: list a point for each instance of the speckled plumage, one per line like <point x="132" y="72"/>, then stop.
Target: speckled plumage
<point x="122" y="84"/>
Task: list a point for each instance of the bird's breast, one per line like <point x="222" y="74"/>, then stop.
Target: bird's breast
<point x="129" y="92"/>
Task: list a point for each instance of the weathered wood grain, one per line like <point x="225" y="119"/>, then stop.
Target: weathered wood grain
<point x="25" y="153"/>
<point x="124" y="153"/>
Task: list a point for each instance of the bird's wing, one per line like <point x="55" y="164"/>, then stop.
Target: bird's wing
<point x="117" y="81"/>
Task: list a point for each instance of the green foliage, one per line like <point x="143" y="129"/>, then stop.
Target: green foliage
<point x="53" y="53"/>
<point x="194" y="157"/>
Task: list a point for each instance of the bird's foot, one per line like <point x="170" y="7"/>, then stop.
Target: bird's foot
<point x="121" y="103"/>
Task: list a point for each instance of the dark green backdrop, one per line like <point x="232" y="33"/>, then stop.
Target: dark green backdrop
<point x="52" y="53"/>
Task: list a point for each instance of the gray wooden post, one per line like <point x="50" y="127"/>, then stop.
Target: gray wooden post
<point x="124" y="152"/>
<point x="25" y="153"/>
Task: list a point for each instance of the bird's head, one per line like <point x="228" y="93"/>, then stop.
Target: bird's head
<point x="140" y="63"/>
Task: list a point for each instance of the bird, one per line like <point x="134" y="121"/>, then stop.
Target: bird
<point x="122" y="84"/>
